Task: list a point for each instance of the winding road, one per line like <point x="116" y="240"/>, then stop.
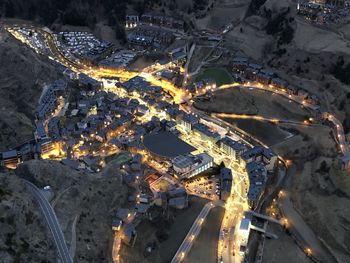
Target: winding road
<point x="52" y="222"/>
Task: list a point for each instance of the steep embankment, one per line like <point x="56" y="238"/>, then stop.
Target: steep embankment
<point x="22" y="74"/>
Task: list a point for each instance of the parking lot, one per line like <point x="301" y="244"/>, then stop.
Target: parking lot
<point x="205" y="187"/>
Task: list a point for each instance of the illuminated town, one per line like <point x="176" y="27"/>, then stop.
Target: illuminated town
<point x="102" y="112"/>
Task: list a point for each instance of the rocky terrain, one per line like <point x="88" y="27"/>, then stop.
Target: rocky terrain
<point x="84" y="203"/>
<point x="24" y="236"/>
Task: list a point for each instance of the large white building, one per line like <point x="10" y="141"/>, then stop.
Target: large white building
<point x="243" y="234"/>
<point x="190" y="165"/>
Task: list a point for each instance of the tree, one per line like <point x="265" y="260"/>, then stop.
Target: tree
<point x="9" y="9"/>
<point x="120" y="33"/>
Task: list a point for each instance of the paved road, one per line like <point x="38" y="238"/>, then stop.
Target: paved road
<point x="303" y="231"/>
<point x="51" y="221"/>
<point x="196" y="227"/>
<point x="344" y="147"/>
<point x="343" y="144"/>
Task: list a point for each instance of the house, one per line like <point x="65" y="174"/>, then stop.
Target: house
<point x="26" y="151"/>
<point x="303" y="93"/>
<point x="279" y="84"/>
<point x="239" y="64"/>
<point x="142" y="109"/>
<point x="292" y="90"/>
<point x="252" y="70"/>
<point x="116" y="224"/>
<point x="142" y="208"/>
<point x="40" y="133"/>
<point x="129" y="234"/>
<point x="123" y="214"/>
<point x="264" y="76"/>
<point x="174" y="114"/>
<point x="70" y="74"/>
<point x="10" y="159"/>
<point x="85" y="80"/>
<point x="260" y="154"/>
<point x="131" y="21"/>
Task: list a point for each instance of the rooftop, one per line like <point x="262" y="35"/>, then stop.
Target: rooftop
<point x="166" y="144"/>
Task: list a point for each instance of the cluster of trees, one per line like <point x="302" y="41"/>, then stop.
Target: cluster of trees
<point x="254" y="7"/>
<point x="342" y="71"/>
<point x="74" y="12"/>
<point x="279" y="26"/>
<point x="199" y="5"/>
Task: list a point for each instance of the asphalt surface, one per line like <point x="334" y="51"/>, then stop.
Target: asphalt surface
<point x="186" y="245"/>
<point x="52" y="222"/>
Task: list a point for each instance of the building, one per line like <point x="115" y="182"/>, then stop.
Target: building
<point x="190" y="165"/>
<point x="87" y="81"/>
<point x="116" y="224"/>
<point x="26" y="151"/>
<point x="260" y="154"/>
<point x="177" y="192"/>
<point x="239" y="64"/>
<point x="264" y="76"/>
<point x="279" y="84"/>
<point x="161" y="20"/>
<point x="10" y="159"/>
<point x="188" y="121"/>
<point x="178" y="202"/>
<point x="292" y="90"/>
<point x="123" y="214"/>
<point x="46" y="146"/>
<point x="232" y="148"/>
<point x="49" y="101"/>
<point x="225" y="183"/>
<point x="243" y="234"/>
<point x="40" y="133"/>
<point x="131" y="21"/>
<point x="344" y="162"/>
<point x="257" y="178"/>
<point x="178" y="50"/>
<point x="129" y="234"/>
<point x="252" y="71"/>
<point x="70" y="74"/>
<point x="206" y="133"/>
<point x="165" y="145"/>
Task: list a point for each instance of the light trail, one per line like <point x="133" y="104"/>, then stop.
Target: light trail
<point x="243" y="116"/>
